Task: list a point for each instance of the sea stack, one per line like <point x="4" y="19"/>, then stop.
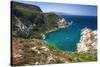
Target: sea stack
<point x="61" y="23"/>
<point x="88" y="40"/>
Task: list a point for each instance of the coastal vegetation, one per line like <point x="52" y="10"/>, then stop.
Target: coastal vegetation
<point x="29" y="26"/>
<point x="34" y="52"/>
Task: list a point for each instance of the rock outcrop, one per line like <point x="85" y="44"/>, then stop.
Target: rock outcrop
<point x="62" y="23"/>
<point x="88" y="40"/>
<point x="25" y="18"/>
<point x="34" y="52"/>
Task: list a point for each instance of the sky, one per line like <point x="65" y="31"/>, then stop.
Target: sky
<point x="73" y="9"/>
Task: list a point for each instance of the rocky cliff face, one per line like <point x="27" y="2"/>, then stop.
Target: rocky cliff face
<point x="88" y="40"/>
<point x="25" y="18"/>
<point x="29" y="21"/>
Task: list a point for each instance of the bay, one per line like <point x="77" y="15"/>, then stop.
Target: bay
<point x="66" y="39"/>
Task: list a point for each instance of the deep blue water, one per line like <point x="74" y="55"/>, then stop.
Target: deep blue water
<point x="67" y="38"/>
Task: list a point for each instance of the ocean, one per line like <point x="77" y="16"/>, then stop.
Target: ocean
<point x="66" y="39"/>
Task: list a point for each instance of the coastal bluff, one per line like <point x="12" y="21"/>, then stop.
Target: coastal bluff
<point x="88" y="40"/>
<point x="29" y="21"/>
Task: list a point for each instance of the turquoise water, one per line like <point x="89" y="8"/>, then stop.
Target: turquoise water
<point x="67" y="38"/>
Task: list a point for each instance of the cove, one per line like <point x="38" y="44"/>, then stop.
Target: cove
<point x="66" y="39"/>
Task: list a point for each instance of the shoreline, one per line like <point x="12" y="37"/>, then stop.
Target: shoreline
<point x="53" y="45"/>
<point x="55" y="29"/>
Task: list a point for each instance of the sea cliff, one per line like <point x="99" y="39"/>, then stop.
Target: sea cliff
<point x="29" y="21"/>
<point x="88" y="40"/>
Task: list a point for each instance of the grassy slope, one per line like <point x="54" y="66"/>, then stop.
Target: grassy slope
<point x="23" y="46"/>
